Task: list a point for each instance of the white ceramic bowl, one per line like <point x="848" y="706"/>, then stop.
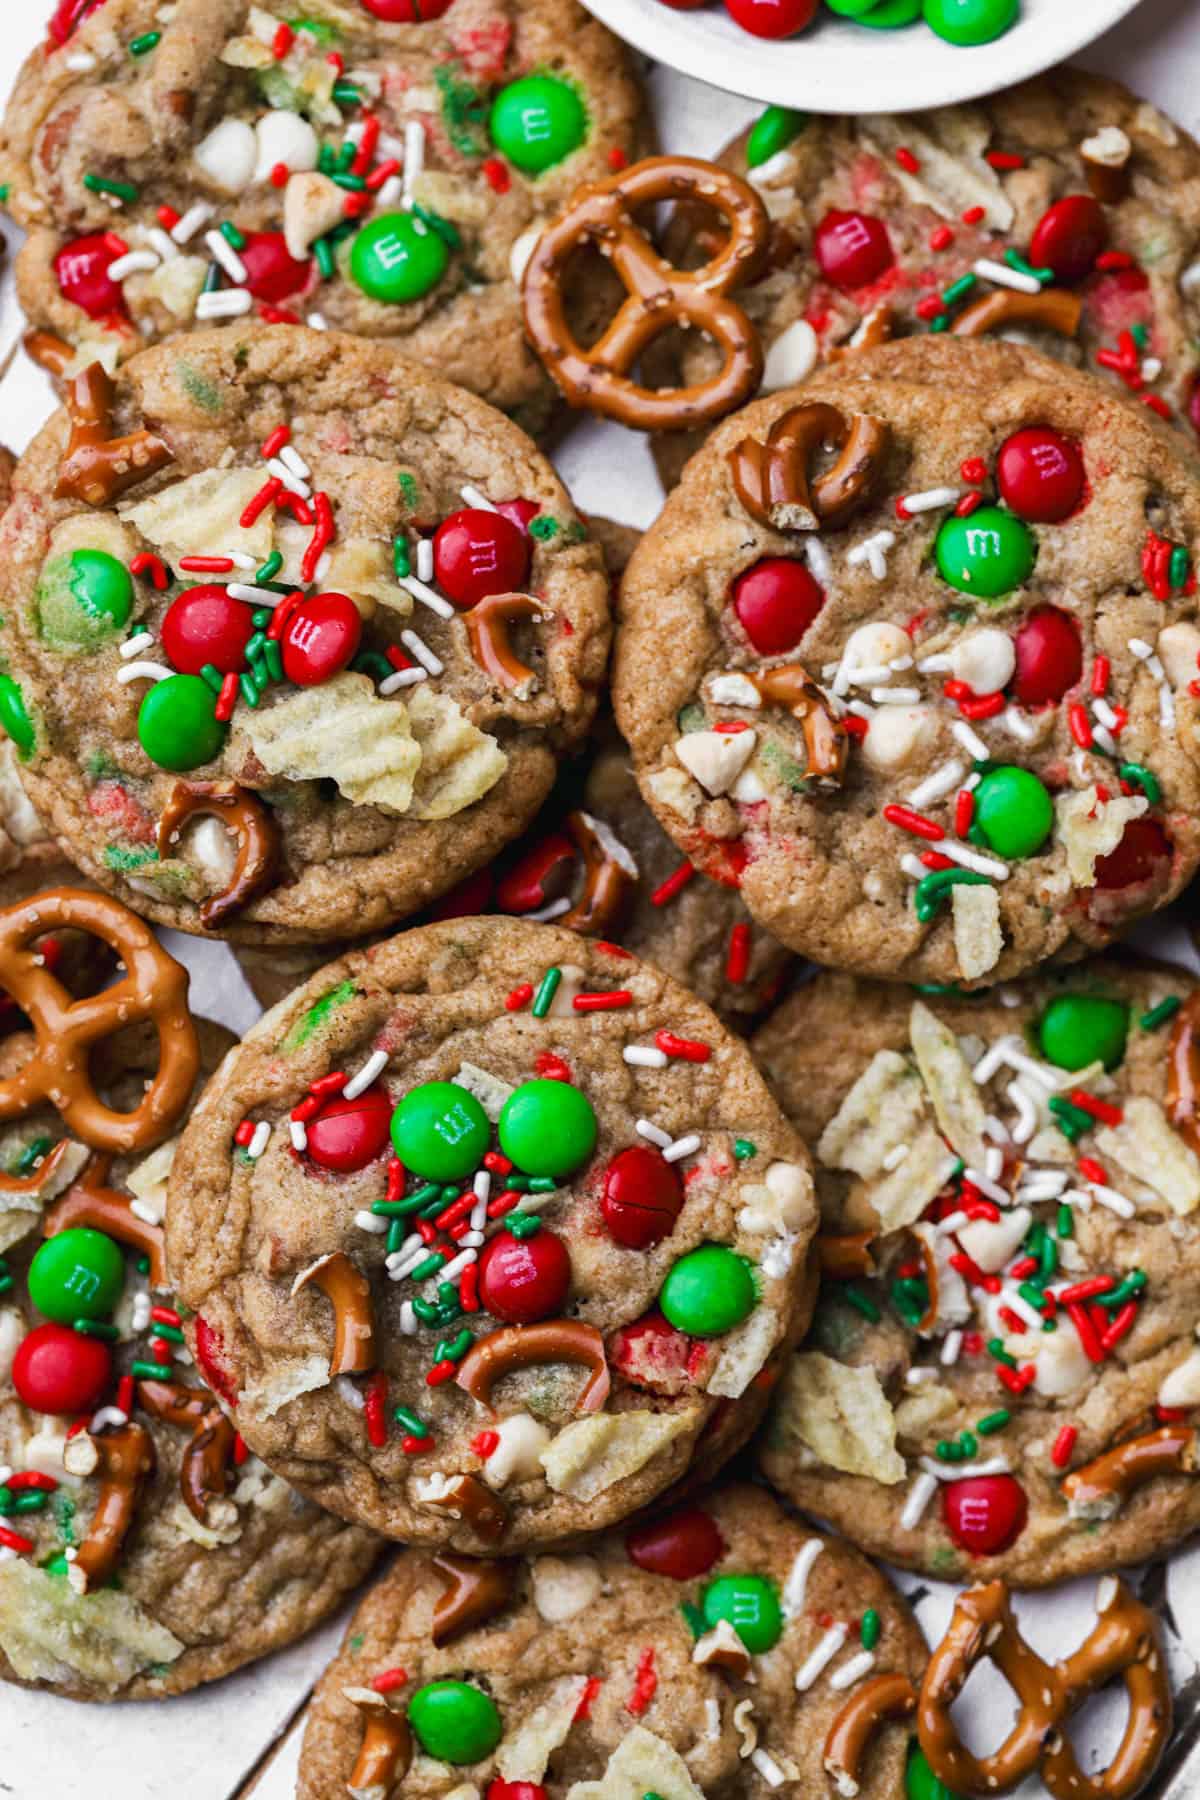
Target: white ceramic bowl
<point x="838" y="66"/>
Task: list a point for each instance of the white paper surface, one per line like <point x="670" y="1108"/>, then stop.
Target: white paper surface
<point x="208" y="1745"/>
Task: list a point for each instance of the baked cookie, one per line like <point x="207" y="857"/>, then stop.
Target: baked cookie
<point x="229" y="566"/>
<point x="378" y="166"/>
<point x="665" y="1661"/>
<point x="930" y="702"/>
<point x="495" y="1234"/>
<point x="142" y="1551"/>
<point x="1003" y="1374"/>
<point x="1066" y="209"/>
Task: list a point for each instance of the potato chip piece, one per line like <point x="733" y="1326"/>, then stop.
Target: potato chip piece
<point x="902" y="1195"/>
<point x="202" y="514"/>
<point x="341" y="731"/>
<point x="978" y="939"/>
<point x="950" y="174"/>
<point x="92" y="531"/>
<point x="459" y="763"/>
<point x="50" y="1633"/>
<point x="882" y="1111"/>
<point x="641" y="1764"/>
<point x="589" y="1455"/>
<point x="950" y="1084"/>
<point x="178" y="284"/>
<point x="744" y="1351"/>
<point x="294" y="1375"/>
<point x="525" y="1756"/>
<point x="1147" y="1148"/>
<point x="1089" y="828"/>
<point x="841" y="1414"/>
<point x="487" y="1088"/>
<point x="147" y="1180"/>
<point x="923" y="1408"/>
<point x="21" y="1213"/>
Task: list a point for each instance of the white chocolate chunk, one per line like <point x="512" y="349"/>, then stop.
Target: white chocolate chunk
<point x="227" y="156"/>
<point x="984" y="659"/>
<point x="517" y="1457"/>
<point x="716" y="758"/>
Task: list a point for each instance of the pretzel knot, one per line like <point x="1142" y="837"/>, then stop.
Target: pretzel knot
<point x="153" y="987"/>
<point x="1124" y="1642"/>
<point x="660" y="295"/>
<point x="772" y="479"/>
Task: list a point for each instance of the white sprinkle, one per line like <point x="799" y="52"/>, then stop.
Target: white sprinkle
<point x="645" y="1056"/>
<point x="951" y="1349"/>
<point x="1042" y="1184"/>
<point x="223" y="252"/>
<point x="1003" y="276"/>
<point x="1105" y="739"/>
<point x="426" y="596"/>
<point x="475" y="498"/>
<point x="895" y="696"/>
<point x="824" y="1653"/>
<point x="647" y="1130"/>
<point x="1151" y="368"/>
<point x="81" y="62"/>
<point x="1189" y="281"/>
<point x="280" y="470"/>
<point x="1110" y="1198"/>
<point x="895" y="1157"/>
<point x="820" y="562"/>
<point x="414" y="159"/>
<point x="767" y="1767"/>
<point x="1166" y="707"/>
<point x="295" y="462"/>
<point x="919" y="1378"/>
<point x="913" y="867"/>
<point x="930" y="500"/>
<point x="108" y="1415"/>
<point x="403" y="678"/>
<point x="481" y="1186"/>
<point x="240" y="560"/>
<point x="260" y="1140"/>
<point x="861" y="709"/>
<point x="996" y="1129"/>
<point x="996" y="1465"/>
<point x="554" y="909"/>
<point x="873" y="551"/>
<point x="317" y="322"/>
<point x="972" y="782"/>
<point x="941" y="664"/>
<point x="971" y="859"/>
<point x="403" y="1267"/>
<point x="143" y="671"/>
<point x="161" y="241"/>
<point x="471" y="1240"/>
<point x="796" y="1585"/>
<point x="253" y="596"/>
<point x="185" y="230"/>
<point x="970" y="740"/>
<point x="991" y="1188"/>
<point x="424" y="655"/>
<point x="412" y="1242"/>
<point x="139" y="1320"/>
<point x="1140" y="648"/>
<point x="408" y="1319"/>
<point x="298" y="1134"/>
<point x="375" y="1064"/>
<point x="943" y="781"/>
<point x="424" y="559"/>
<point x="228" y="303"/>
<point x="478" y="1217"/>
<point x="682" y="1147"/>
<point x="1027" y="1113"/>
<point x="919" y="1495"/>
<point x="1017" y="725"/>
<point x="349" y="1393"/>
<point x="951" y="1223"/>
<point x="456" y="1266"/>
<point x="135" y="645"/>
<point x="369" y="1221"/>
<point x="993" y="1166"/>
<point x="850" y="1671"/>
<point x="134" y="262"/>
<point x="712" y="1715"/>
<point x="1105" y="713"/>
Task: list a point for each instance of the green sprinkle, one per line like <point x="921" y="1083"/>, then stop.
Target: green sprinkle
<point x="249" y="690"/>
<point x="401" y="559"/>
<point x="547" y="988"/>
<point x="542" y="1184"/>
<point x="932" y="890"/>
<point x="232" y="235"/>
<point x="396" y="1234"/>
<point x="1140" y="336"/>
<point x="346" y="94"/>
<point x="773" y="131"/>
<point x="454" y="1349"/>
<point x="346" y="155"/>
<point x="1132" y="1285"/>
<point x="7" y="1501"/>
<point x="323" y="250"/>
<point x="958" y="290"/>
<point x="354" y="184"/>
<point x="1179" y="567"/>
<point x="523" y="1225"/>
<point x="995" y="1421"/>
<point x="1016" y="261"/>
<point x="172" y="1333"/>
<point x="936" y="988"/>
<point x="32" y="1155"/>
<point x="212" y="279"/>
<point x="968" y="1444"/>
<point x="148" y="1371"/>
<point x="326" y="160"/>
<point x="860" y="1301"/>
<point x="99" y="1328"/>
<point x="411" y="1421"/>
<point x="4" y="193"/>
<point x="435" y="1206"/>
<point x="6" y="1281"/>
<point x="410" y="493"/>
<point x="255" y="646"/>
<point x="1049" y="1324"/>
<point x="743" y="1149"/>
<point x="999" y="1354"/>
<point x="213" y="676"/>
<point x="543" y="528"/>
<point x="1072" y="1121"/>
<point x="870" y="1628"/>
<point x="31" y="1502"/>
<point x="1034" y="1295"/>
<point x="1066" y="1220"/>
<point x="1048" y="1258"/>
<point x="142" y="1265"/>
<point x="1158" y="1015"/>
<point x="947" y="1451"/>
<point x="141" y="46"/>
<point x="941" y="323"/>
<point x="120" y="190"/>
<point x="372" y="663"/>
<point x="1139" y="776"/>
<point x="269" y="569"/>
<point x="427" y="1312"/>
<point x="429" y="1265"/>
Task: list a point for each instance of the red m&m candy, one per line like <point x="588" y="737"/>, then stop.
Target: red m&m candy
<point x="320" y="639"/>
<point x="406" y="12"/>
<point x="1049" y="657"/>
<point x="477" y="553"/>
<point x="500" y="1789"/>
<point x="520" y="513"/>
<point x="771" y="18"/>
<point x="651" y="1354"/>
<point x="853" y="249"/>
<point x="1040" y="474"/>
<point x="683" y="1545"/>
<point x="466" y="898"/>
<point x="1069" y="237"/>
<point x="643" y="1197"/>
<point x="57" y="1370"/>
<point x="776" y="600"/>
<point x="348" y="1134"/>
<point x="82" y="271"/>
<point x="1139" y="856"/>
<point x="543" y="874"/>
<point x="272" y="273"/>
<point x="524" y="1279"/>
<point x="205" y="626"/>
<point x="985" y="1513"/>
<point x="210" y="1354"/>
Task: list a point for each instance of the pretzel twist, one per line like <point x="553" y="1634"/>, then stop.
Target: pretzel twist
<point x="124" y="1458"/>
<point x="473" y="1591"/>
<point x="206" y="1471"/>
<point x="1054" y="308"/>
<point x="1099" y="1487"/>
<point x="792" y="687"/>
<point x="96" y="467"/>
<point x="878" y="327"/>
<point x="153" y="987"/>
<point x="89" y="1203"/>
<point x="1123" y="1643"/>
<point x="349" y="1293"/>
<point x="771" y="476"/>
<point x="487" y="633"/>
<point x="251" y="824"/>
<point x="857" y="1720"/>
<point x="524" y="1346"/>
<point x="660" y="296"/>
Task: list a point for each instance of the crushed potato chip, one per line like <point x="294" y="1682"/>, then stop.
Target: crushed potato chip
<point x="951" y="174"/>
<point x="1089" y="828"/>
<point x="205" y="508"/>
<point x="902" y="1195"/>
<point x="49" y="1633"/>
<point x="1147" y="1148"/>
<point x="525" y="1756"/>
<point x="978" y="939"/>
<point x="340" y="731"/>
<point x="951" y="1086"/>
<point x="147" y="1180"/>
<point x="744" y="1351"/>
<point x="589" y="1455"/>
<point x="881" y="1111"/>
<point x="459" y="763"/>
<point x="487" y="1088"/>
<point x="841" y="1414"/>
<point x="294" y="1375"/>
<point x="21" y="1213"/>
<point x="641" y="1764"/>
<point x="923" y="1408"/>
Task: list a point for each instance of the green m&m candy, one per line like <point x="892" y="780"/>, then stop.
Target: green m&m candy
<point x="920" y="1782"/>
<point x="14" y="716"/>
<point x="892" y="14"/>
<point x="1078" y="1029"/>
<point x="77" y="1275"/>
<point x="397" y="258"/>
<point x="547" y="1127"/>
<point x="710" y="1290"/>
<point x="772" y="132"/>
<point x="537" y="121"/>
<point x="454" y="1721"/>
<point x="440" y="1131"/>
<point x="989" y="553"/>
<point x="751" y="1606"/>
<point x="84" y="598"/>
<point x="971" y="21"/>
<point x="177" y="727"/>
<point x="1013" y="811"/>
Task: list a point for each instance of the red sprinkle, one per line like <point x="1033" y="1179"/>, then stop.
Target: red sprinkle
<point x="913" y="822"/>
<point x="519" y="998"/>
<point x="1099" y="1109"/>
<point x="468" y="1288"/>
<point x="388" y="1680"/>
<point x="933" y="859"/>
<point x="244" y="1133"/>
<point x="1092" y="1170"/>
<point x="1101" y="670"/>
<point x="1012" y="1319"/>
<point x="672" y="885"/>
<point x="687" y="1049"/>
<point x="148" y="564"/>
<point x="967" y="505"/>
<point x="941" y="239"/>
<point x="31" y="1481"/>
<point x="1158" y="405"/>
<point x="241" y="1450"/>
<point x="207" y="565"/>
<point x="281" y="435"/>
<point x="125" y="1393"/>
<point x="737" y="958"/>
<point x="165" y="1315"/>
<point x="907" y="160"/>
<point x="971" y="1272"/>
<point x="280" y="175"/>
<point x="12" y="1540"/>
<point x="366" y="145"/>
<point x="457" y="1209"/>
<point x="1087" y="1290"/>
<point x="1016" y="1380"/>
<point x="440" y="1373"/>
<point x="931" y="307"/>
<point x="974" y="470"/>
<point x="322" y="537"/>
<point x="981" y="706"/>
<point x="1088" y="1335"/>
<point x="1081" y="729"/>
<point x="497" y="1162"/>
<point x="1121" y="1324"/>
<point x="167" y="217"/>
<point x="266" y="496"/>
<point x="984" y="1209"/>
<point x="591" y="1689"/>
<point x="1025" y="1265"/>
<point x="382" y="172"/>
<point x="603" y="1002"/>
<point x="973" y="215"/>
<point x="496" y="175"/>
<point x="857" y="727"/>
<point x="1115" y="259"/>
<point x="1064" y="1444"/>
<point x="282" y="42"/>
<point x="1004" y="159"/>
<point x="415" y="1446"/>
<point x="964" y="812"/>
<point x="226" y="699"/>
<point x="502" y="1204"/>
<point x="644" y="1685"/>
<point x="375" y="1409"/>
<point x="484" y="1443"/>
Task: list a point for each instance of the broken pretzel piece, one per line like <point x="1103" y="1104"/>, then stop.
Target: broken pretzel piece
<point x="96" y="467"/>
<point x="474" y="1591"/>
<point x="250" y="823"/>
<point x="349" y="1293"/>
<point x="123" y="1458"/>
<point x="385" y="1752"/>
<point x="772" y="477"/>
<point x="524" y="1346"/>
<point x="205" y="1474"/>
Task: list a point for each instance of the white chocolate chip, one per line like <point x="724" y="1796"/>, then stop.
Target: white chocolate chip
<point x="716" y="758"/>
<point x="984" y="659"/>
<point x="894" y="736"/>
<point x="792" y="357"/>
<point x="284" y="137"/>
<point x="1178" y="648"/>
<point x="228" y="155"/>
<point x="515" y="1458"/>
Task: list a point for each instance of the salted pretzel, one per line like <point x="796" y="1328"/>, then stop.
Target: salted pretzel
<point x="349" y="1293"/>
<point x="1124" y="1642"/>
<point x="487" y="633"/>
<point x="771" y="475"/>
<point x="204" y="1475"/>
<point x="154" y="986"/>
<point x="96" y="466"/>
<point x="1057" y="309"/>
<point x="525" y="1346"/>
<point x="1183" y="1072"/>
<point x="123" y="1460"/>
<point x="791" y="687"/>
<point x="854" y="1725"/>
<point x="250" y="823"/>
<point x="473" y="1591"/>
<point x="660" y="296"/>
<point x="606" y="879"/>
<point x="385" y="1751"/>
